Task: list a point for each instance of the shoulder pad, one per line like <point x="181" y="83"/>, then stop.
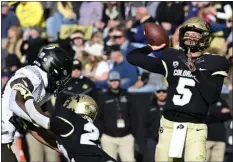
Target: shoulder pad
<point x="24" y="82"/>
<point x="170" y="53"/>
<point x="220" y="64"/>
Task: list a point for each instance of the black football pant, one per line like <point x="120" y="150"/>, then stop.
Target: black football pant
<point x="7" y="154"/>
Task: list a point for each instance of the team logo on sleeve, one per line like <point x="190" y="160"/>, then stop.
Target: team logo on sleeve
<point x="175" y="64"/>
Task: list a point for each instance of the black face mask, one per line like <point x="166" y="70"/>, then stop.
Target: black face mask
<point x="55" y="87"/>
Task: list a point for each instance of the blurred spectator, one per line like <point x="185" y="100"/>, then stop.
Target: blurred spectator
<point x="152" y="8"/>
<point x="14" y="41"/>
<point x="117" y="120"/>
<point x="128" y="72"/>
<point x="223" y="11"/>
<point x="154" y="113"/>
<point x="4" y="55"/>
<point x="228" y="42"/>
<point x="5" y="75"/>
<point x="118" y="37"/>
<point x="74" y="45"/>
<point x="97" y="38"/>
<point x="128" y="9"/>
<point x="31" y="47"/>
<point x="65" y="15"/>
<point x="90" y="13"/>
<point x="112" y="15"/>
<point x="8" y="19"/>
<point x="76" y="7"/>
<point x="208" y="12"/>
<point x="78" y="84"/>
<point x="170" y="15"/>
<point x="39" y="152"/>
<point x="228" y="80"/>
<point x="219" y="112"/>
<point x="30" y="14"/>
<point x="49" y="8"/>
<point x="137" y="29"/>
<point x="99" y="68"/>
<point x="144" y="83"/>
<point x="193" y="9"/>
<point x="12" y="63"/>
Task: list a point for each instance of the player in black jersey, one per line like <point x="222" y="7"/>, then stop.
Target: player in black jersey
<point x="76" y="136"/>
<point x="195" y="81"/>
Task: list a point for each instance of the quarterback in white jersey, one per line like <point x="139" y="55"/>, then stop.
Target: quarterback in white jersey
<point x="31" y="86"/>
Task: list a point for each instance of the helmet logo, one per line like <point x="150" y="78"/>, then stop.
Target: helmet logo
<point x="175" y="64"/>
<point x="65" y="72"/>
<point x="45" y="59"/>
<point x="55" y="71"/>
<point x="90" y="107"/>
<point x="41" y="55"/>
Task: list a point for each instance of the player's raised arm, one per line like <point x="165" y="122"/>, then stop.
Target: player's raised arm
<point x="139" y="58"/>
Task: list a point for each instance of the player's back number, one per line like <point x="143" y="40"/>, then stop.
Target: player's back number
<point x="93" y="135"/>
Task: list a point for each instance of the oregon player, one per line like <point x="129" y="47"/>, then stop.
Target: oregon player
<point x="77" y="137"/>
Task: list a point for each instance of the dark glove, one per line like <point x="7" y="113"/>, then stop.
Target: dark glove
<point x="18" y="123"/>
<point x="21" y="125"/>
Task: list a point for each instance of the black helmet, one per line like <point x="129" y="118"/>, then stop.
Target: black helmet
<point x="199" y="25"/>
<point x="58" y="66"/>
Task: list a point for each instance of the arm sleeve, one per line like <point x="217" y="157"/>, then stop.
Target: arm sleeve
<point x="17" y="102"/>
<point x="210" y="89"/>
<point x="14" y="107"/>
<point x="35" y="114"/>
<point x="139" y="58"/>
<point x="61" y="126"/>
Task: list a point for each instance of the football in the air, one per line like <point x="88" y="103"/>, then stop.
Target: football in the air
<point x="156" y="35"/>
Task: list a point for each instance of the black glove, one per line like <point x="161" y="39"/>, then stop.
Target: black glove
<point x="18" y="123"/>
<point x="21" y="125"/>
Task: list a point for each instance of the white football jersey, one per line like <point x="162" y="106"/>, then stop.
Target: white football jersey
<point x="38" y="78"/>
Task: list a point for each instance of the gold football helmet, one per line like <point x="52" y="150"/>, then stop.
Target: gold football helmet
<point x="83" y="105"/>
<point x="196" y="24"/>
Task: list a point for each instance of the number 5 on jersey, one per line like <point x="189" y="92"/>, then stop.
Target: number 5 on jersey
<point x="184" y="93"/>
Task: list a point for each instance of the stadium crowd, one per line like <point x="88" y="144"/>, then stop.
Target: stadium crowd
<point x="98" y="36"/>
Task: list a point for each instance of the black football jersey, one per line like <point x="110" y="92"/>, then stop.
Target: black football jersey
<point x="189" y="93"/>
<point x="184" y="95"/>
<point x="79" y="140"/>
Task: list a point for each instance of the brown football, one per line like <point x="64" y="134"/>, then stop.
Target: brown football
<point x="156" y="35"/>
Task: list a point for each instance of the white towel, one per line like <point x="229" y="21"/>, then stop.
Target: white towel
<point x="178" y="140"/>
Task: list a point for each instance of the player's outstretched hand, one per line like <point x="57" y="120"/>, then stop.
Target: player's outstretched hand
<point x="156" y="48"/>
